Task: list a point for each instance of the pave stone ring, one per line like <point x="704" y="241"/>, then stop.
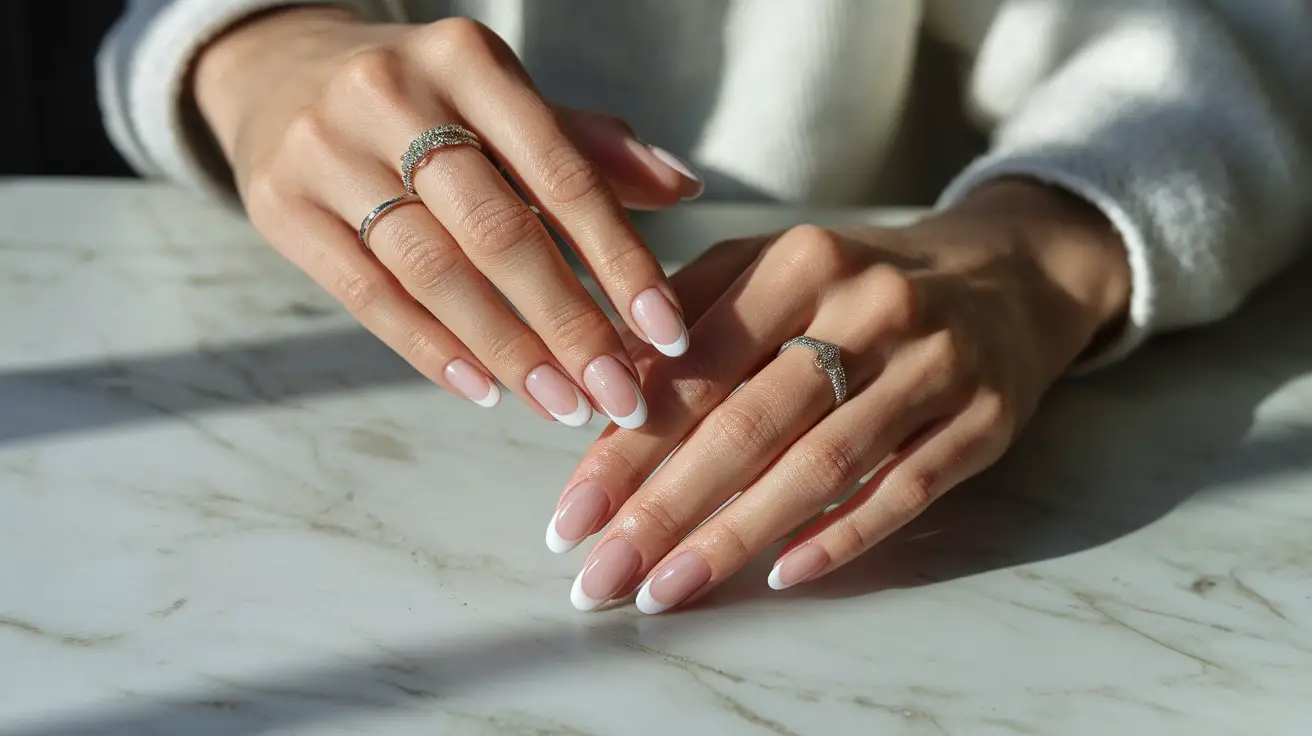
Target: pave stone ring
<point x="829" y="359"/>
<point x="443" y="136"/>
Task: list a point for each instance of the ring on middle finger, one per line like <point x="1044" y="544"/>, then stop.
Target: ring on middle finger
<point x="433" y="139"/>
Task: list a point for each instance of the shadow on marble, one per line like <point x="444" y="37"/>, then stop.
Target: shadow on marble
<point x="96" y="396"/>
<point x="420" y="677"/>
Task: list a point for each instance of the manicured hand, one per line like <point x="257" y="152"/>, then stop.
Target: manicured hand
<point x="950" y="331"/>
<point x="314" y="108"/>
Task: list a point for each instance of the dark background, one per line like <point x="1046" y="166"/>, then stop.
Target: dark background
<point x="48" y="84"/>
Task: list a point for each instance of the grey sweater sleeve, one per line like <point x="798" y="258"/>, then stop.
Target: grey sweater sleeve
<point x="142" y="72"/>
<point x="1187" y="122"/>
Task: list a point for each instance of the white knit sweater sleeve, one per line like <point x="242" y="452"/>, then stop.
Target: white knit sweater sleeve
<point x="142" y="71"/>
<point x="1185" y="121"/>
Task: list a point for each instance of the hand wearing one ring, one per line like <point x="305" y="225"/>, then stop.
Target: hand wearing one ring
<point x="947" y="333"/>
<point x="314" y="109"/>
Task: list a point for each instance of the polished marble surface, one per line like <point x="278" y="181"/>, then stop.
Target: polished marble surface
<point x="226" y="509"/>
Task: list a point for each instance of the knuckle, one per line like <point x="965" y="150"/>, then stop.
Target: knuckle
<point x="613" y="459"/>
<point x="628" y="262"/>
<point x="376" y="74"/>
<point x="652" y="513"/>
<point x="421" y="350"/>
<point x="461" y="34"/>
<point x="424" y="261"/>
<point x="266" y="191"/>
<point x="829" y="464"/>
<point x="502" y="228"/>
<point x="577" y="322"/>
<point x="742" y="427"/>
<point x="995" y="417"/>
<point x="733" y="547"/>
<point x="357" y="291"/>
<point x="568" y="177"/>
<point x="308" y="135"/>
<point x="814" y="250"/>
<point x="853" y="539"/>
<point x="514" y="349"/>
<point x="896" y="295"/>
<point x="916" y="488"/>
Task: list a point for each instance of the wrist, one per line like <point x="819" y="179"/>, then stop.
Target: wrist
<point x="1084" y="297"/>
<point x="231" y="74"/>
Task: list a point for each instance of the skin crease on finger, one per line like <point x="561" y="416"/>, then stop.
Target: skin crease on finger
<point x="1029" y="282"/>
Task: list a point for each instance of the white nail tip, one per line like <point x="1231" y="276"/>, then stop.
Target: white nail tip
<point x="646" y="603"/>
<point x="635" y="419"/>
<point x="557" y="543"/>
<point x="492" y="399"/>
<point x="579" y="599"/>
<point x="673" y="349"/>
<point x="577" y="418"/>
<point x="774" y="580"/>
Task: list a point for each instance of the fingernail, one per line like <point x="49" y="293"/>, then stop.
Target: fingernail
<point x="695" y="186"/>
<point x="612" y="565"/>
<point x="613" y="386"/>
<point x="578" y="514"/>
<point x="661" y="321"/>
<point x="799" y="565"/>
<point x="674" y="582"/>
<point x="558" y="395"/>
<point x="471" y="382"/>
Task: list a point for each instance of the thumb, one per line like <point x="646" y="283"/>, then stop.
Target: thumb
<point x="645" y="177"/>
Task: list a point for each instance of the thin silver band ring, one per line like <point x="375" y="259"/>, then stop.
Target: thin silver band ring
<point x="423" y="146"/>
<point x="378" y="212"/>
<point x="829" y="359"/>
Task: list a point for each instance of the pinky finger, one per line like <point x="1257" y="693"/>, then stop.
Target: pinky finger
<point x="942" y="459"/>
<point x="331" y="254"/>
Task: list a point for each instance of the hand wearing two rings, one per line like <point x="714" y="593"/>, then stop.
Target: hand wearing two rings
<point x="314" y="110"/>
<point x="947" y="332"/>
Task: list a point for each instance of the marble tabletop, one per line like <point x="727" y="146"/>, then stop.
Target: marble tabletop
<point x="225" y="509"/>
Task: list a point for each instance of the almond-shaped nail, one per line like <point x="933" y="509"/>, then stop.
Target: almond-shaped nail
<point x="579" y="511"/>
<point x="601" y="579"/>
<point x="657" y="317"/>
<point x="672" y="583"/>
<point x="616" y="391"/>
<point x="798" y="566"/>
<point x="695" y="186"/>
<point x="558" y="395"/>
<point x="471" y="382"/>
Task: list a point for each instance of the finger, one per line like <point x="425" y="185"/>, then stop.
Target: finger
<point x="731" y="447"/>
<point x="941" y="460"/>
<point x="498" y="234"/>
<point x="807" y="477"/>
<point x="431" y="267"/>
<point x="686" y="390"/>
<point x="635" y="171"/>
<point x="569" y="188"/>
<point x="329" y="252"/>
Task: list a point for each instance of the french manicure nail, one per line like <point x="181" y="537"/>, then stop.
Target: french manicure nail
<point x="579" y="511"/>
<point x="611" y="566"/>
<point x="673" y="583"/>
<point x="674" y="162"/>
<point x="471" y="382"/>
<point x="661" y="321"/>
<point x="617" y="393"/>
<point x="798" y="566"/>
<point x="558" y="395"/>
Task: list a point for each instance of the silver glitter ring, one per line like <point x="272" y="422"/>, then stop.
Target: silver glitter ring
<point x="829" y="359"/>
<point x="443" y="136"/>
<point x="367" y="224"/>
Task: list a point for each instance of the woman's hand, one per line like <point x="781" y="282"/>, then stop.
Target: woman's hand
<point x="313" y="108"/>
<point x="950" y="331"/>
